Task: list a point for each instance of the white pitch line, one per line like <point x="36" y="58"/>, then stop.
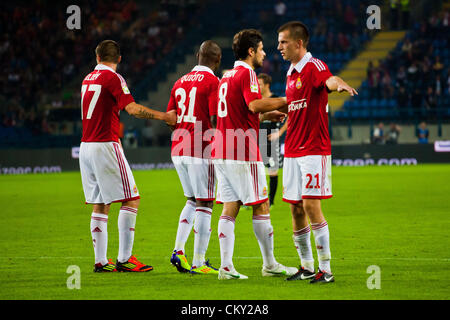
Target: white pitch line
<point x="245" y="258"/>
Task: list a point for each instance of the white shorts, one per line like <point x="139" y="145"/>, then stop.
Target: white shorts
<point x="105" y="173"/>
<point x="243" y="181"/>
<point x="197" y="177"/>
<point x="307" y="177"/>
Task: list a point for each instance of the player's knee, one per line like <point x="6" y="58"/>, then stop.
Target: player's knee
<point x="206" y="204"/>
<point x="261" y="208"/>
<point x="132" y="203"/>
<point x="101" y="208"/>
<point x="297" y="210"/>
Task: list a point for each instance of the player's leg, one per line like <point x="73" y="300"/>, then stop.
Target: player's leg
<point x="202" y="230"/>
<point x="226" y="234"/>
<point x="302" y="242"/>
<point x="126" y="224"/>
<point x="185" y="224"/>
<point x="292" y="193"/>
<point x="321" y="233"/>
<point x="202" y="179"/>
<point x="273" y="185"/>
<point x="262" y="226"/>
<point x="126" y="261"/>
<point x="99" y="233"/>
<point x="187" y="215"/>
<point x="99" y="215"/>
<point x="228" y="186"/>
<point x="316" y="172"/>
<point x="263" y="230"/>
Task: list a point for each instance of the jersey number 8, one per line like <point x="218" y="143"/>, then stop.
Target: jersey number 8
<point x="222" y="105"/>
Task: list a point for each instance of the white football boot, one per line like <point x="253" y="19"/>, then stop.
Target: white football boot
<point x="230" y="274"/>
<point x="278" y="270"/>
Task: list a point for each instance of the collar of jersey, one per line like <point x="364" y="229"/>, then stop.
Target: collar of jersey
<point x="242" y="64"/>
<point x="203" y="68"/>
<point x="103" y="67"/>
<point x="299" y="66"/>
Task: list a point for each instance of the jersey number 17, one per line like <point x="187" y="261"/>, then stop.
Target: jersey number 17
<point x="91" y="87"/>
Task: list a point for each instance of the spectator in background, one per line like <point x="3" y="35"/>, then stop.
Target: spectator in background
<point x="430" y="102"/>
<point x="130" y="139"/>
<point x="448" y="82"/>
<point x="280" y="9"/>
<point x="438" y="66"/>
<point x="373" y="76"/>
<point x="349" y="19"/>
<point x="405" y="13"/>
<point x="403" y="102"/>
<point x="394" y="14"/>
<point x="393" y="134"/>
<point x="422" y="133"/>
<point x="378" y="134"/>
<point x="147" y="134"/>
<point x="386" y="83"/>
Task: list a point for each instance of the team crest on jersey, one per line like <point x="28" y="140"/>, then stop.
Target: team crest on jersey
<point x="265" y="191"/>
<point x="135" y="190"/>
<point x="298" y="83"/>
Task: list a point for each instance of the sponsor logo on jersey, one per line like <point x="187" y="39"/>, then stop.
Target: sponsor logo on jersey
<point x="125" y="90"/>
<point x="297" y="105"/>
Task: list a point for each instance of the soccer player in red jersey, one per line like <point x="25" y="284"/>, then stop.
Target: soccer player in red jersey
<point x="194" y="100"/>
<point x="105" y="173"/>
<point x="237" y="159"/>
<point x="307" y="159"/>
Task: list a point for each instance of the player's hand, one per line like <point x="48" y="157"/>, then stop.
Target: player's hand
<point x="346" y="87"/>
<point x="273" y="136"/>
<point x="171" y="118"/>
<point x="274" y="116"/>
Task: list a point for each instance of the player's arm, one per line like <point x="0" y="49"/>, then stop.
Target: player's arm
<point x="335" y="83"/>
<point x="274" y="116"/>
<point x="267" y="104"/>
<point x="277" y="134"/>
<point x="141" y="112"/>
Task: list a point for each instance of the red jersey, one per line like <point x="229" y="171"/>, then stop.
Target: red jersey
<point x="307" y="99"/>
<point x="103" y="94"/>
<point x="237" y="130"/>
<point x="194" y="97"/>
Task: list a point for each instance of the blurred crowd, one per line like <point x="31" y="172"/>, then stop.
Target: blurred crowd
<point x="417" y="74"/>
<point x="43" y="62"/>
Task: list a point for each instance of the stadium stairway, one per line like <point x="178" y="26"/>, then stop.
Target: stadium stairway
<point x="355" y="72"/>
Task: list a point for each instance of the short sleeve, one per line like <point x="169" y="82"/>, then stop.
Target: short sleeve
<point x="250" y="86"/>
<point x="320" y="73"/>
<point x="119" y="89"/>
<point x="213" y="98"/>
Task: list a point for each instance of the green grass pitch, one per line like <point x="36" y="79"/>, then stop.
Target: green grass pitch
<point x="396" y="218"/>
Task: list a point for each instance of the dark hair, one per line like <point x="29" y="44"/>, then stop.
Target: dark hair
<point x="108" y="51"/>
<point x="244" y="40"/>
<point x="297" y="31"/>
<point x="209" y="52"/>
<point x="265" y="78"/>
